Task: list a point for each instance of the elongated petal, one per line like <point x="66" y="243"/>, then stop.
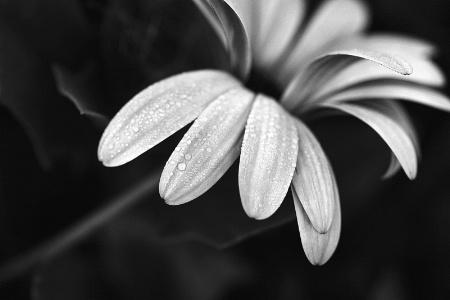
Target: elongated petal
<point x="334" y="20"/>
<point x="158" y="111"/>
<point x="313" y="180"/>
<point x="390" y="43"/>
<point x="425" y="72"/>
<point x="393" y="90"/>
<point x="380" y="116"/>
<point x="268" y="156"/>
<point x="318" y="247"/>
<point x="271" y="26"/>
<point x="208" y="149"/>
<point x="405" y="122"/>
<point x="324" y="67"/>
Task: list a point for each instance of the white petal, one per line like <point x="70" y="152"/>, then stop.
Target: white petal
<point x="334" y="20"/>
<point x="425" y="72"/>
<point x="393" y="90"/>
<point x="310" y="78"/>
<point x="268" y="157"/>
<point x="313" y="181"/>
<point x="271" y="26"/>
<point x="385" y="121"/>
<point x="158" y="111"/>
<point x="208" y="149"/>
<point x="390" y="43"/>
<point x="318" y="247"/>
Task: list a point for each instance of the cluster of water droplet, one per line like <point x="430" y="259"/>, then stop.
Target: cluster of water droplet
<point x="158" y="111"/>
<point x="212" y="142"/>
<point x="268" y="158"/>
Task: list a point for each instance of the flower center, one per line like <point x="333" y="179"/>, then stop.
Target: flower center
<point x="259" y="83"/>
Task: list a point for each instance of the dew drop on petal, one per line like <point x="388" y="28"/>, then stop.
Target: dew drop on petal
<point x="181" y="166"/>
<point x="187" y="156"/>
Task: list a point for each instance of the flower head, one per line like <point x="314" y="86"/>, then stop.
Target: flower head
<point x="327" y="63"/>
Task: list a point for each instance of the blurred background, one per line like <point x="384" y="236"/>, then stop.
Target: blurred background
<point x="62" y="57"/>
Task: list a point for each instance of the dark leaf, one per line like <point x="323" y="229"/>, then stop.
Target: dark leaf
<point x="56" y="29"/>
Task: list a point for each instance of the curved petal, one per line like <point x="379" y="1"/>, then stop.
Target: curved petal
<point x="208" y="149"/>
<point x="231" y="32"/>
<point x="318" y="247"/>
<point x="403" y="119"/>
<point x="425" y="72"/>
<point x="206" y="8"/>
<point x="393" y="168"/>
<point x="158" y="111"/>
<point x="268" y="156"/>
<point x="393" y="90"/>
<point x="313" y="180"/>
<point x="390" y="43"/>
<point x="385" y="121"/>
<point x="271" y="26"/>
<point x="324" y="67"/>
<point x="334" y="20"/>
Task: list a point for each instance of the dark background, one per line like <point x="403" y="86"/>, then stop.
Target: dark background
<point x="394" y="244"/>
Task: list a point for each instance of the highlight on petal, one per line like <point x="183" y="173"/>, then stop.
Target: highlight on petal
<point x="231" y="32"/>
<point x="385" y="121"/>
<point x="393" y="168"/>
<point x="405" y="122"/>
<point x="393" y="90"/>
<point x="158" y="111"/>
<point x="208" y="149"/>
<point x="313" y="181"/>
<point x="270" y="25"/>
<point x="206" y="7"/>
<point x="334" y="20"/>
<point x="323" y="68"/>
<point x="318" y="247"/>
<point x="268" y="157"/>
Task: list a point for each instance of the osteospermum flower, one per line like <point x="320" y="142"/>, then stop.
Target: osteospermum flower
<point x="328" y="62"/>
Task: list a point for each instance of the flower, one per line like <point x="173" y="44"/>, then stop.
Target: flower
<point x="328" y="63"/>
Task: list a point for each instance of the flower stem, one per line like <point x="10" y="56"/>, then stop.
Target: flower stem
<point x="76" y="233"/>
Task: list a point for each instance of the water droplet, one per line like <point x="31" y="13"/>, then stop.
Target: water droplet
<point x="187" y="156"/>
<point x="181" y="166"/>
<point x="135" y="129"/>
<point x="177" y="149"/>
<point x="208" y="149"/>
<point x="111" y="146"/>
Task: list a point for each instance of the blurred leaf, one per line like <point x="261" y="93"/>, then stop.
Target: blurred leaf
<point x="28" y="90"/>
<point x="130" y="264"/>
<point x="76" y="275"/>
